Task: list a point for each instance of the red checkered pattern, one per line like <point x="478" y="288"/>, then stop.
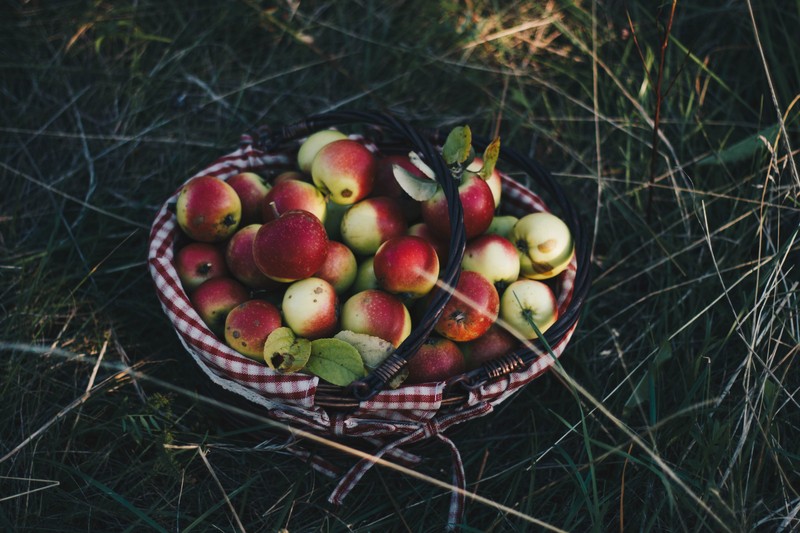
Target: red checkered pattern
<point x="386" y="423"/>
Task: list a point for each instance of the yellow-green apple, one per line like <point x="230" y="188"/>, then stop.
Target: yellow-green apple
<point x="502" y="225"/>
<point x="340" y="267"/>
<point x="471" y="310"/>
<point x="310" y="308"/>
<point x="292" y="247"/>
<point x="312" y="144"/>
<point x="478" y="204"/>
<point x="197" y="262"/>
<point x="437" y="359"/>
<point x="377" y="313"/>
<point x="494" y="257"/>
<point x="249" y="324"/>
<point x="442" y="247"/>
<point x="544" y="243"/>
<point x="251" y="189"/>
<point x="496" y="342"/>
<point x="407" y="266"/>
<point x="208" y="209"/>
<point x="289" y="195"/>
<point x="528" y="300"/>
<point x="241" y="261"/>
<point x="494" y="181"/>
<point x="365" y="277"/>
<point x="215" y="298"/>
<point x="371" y="222"/>
<point x="345" y="170"/>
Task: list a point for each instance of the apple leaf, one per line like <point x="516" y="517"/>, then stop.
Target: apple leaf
<point x="417" y="188"/>
<point x="457" y="147"/>
<point x="373" y="350"/>
<point x="335" y="361"/>
<point x="285" y="352"/>
<point x="490" y="156"/>
<point x="417" y="161"/>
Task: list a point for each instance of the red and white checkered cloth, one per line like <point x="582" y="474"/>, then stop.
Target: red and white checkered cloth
<point x="387" y="422"/>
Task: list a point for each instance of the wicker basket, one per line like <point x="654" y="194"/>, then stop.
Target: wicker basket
<point x="383" y="420"/>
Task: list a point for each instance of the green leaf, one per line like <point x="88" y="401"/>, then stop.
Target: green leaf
<point x="373" y="350"/>
<point x="417" y="188"/>
<point x="747" y="147"/>
<point x="457" y="147"/>
<point x="285" y="352"/>
<point x="490" y="156"/>
<point x="335" y="361"/>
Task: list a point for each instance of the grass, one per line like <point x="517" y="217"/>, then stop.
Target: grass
<point x="676" y="407"/>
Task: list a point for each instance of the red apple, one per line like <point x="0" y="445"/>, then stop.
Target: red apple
<point x="291" y="175"/>
<point x="208" y="209"/>
<point x="340" y="267"/>
<point x="292" y="247"/>
<point x="251" y="189"/>
<point x="494" y="181"/>
<point x="407" y="266"/>
<point x="289" y="195"/>
<point x="345" y="170"/>
<point x="241" y="262"/>
<point x="471" y="310"/>
<point x="198" y="261"/>
<point x="249" y="324"/>
<point x="311" y="308"/>
<point x="477" y="202"/>
<point x="496" y="342"/>
<point x="436" y="360"/>
<point x="215" y="298"/>
<point x="377" y="313"/>
<point x="494" y="257"/>
<point x="371" y="222"/>
<point x="442" y="247"/>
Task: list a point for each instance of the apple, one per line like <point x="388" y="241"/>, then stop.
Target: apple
<point x="496" y="342"/>
<point x="208" y="209"/>
<point x="371" y="222"/>
<point x="345" y="170"/>
<point x="471" y="310"/>
<point x="291" y="175"/>
<point x="386" y="184"/>
<point x="312" y="145"/>
<point x="407" y="266"/>
<point x="525" y="300"/>
<point x="545" y="245"/>
<point x="494" y="181"/>
<point x="442" y="247"/>
<point x="215" y="298"/>
<point x="198" y="261"/>
<point x="288" y="195"/>
<point x="311" y="308"/>
<point x="248" y="325"/>
<point x="334" y="213"/>
<point x="251" y="189"/>
<point x="292" y="247"/>
<point x="377" y="313"/>
<point x="365" y="277"/>
<point x="494" y="257"/>
<point x="436" y="360"/>
<point x="340" y="267"/>
<point x="477" y="202"/>
<point x="502" y="225"/>
<point x="241" y="262"/>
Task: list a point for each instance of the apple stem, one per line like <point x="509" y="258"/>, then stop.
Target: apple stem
<point x="274" y="209"/>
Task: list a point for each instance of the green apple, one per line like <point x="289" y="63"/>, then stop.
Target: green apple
<point x="544" y="243"/>
<point x="528" y="300"/>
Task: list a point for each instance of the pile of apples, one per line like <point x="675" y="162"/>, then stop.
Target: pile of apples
<point x="326" y="267"/>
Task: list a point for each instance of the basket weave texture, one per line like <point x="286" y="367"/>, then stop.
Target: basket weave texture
<point x="388" y="421"/>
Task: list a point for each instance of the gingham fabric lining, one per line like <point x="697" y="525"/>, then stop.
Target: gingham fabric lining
<point x="390" y="420"/>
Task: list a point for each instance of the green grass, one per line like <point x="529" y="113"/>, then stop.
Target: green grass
<point x="676" y="408"/>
